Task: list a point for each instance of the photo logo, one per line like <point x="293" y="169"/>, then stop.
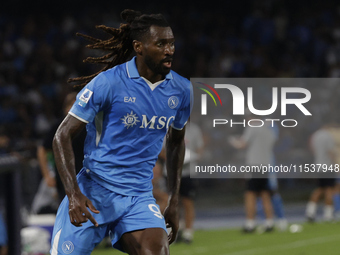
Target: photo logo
<point x="281" y="98"/>
<point x="239" y="101"/>
<point x="204" y="97"/>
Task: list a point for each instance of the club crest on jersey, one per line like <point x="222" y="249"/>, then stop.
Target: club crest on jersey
<point x="85" y="97"/>
<point x="173" y="102"/>
<point x="130" y="119"/>
<point x="67" y="247"/>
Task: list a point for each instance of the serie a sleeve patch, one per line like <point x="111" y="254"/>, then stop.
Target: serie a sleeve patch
<point x="85" y="97"/>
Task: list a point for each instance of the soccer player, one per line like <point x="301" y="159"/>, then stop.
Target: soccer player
<point x="127" y="108"/>
<point x="276" y="199"/>
<point x="259" y="143"/>
<point x="323" y="148"/>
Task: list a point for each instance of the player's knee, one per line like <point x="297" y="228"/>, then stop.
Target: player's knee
<point x="155" y="248"/>
<point x="155" y="244"/>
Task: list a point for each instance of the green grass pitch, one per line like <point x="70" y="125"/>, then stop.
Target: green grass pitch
<point x="317" y="238"/>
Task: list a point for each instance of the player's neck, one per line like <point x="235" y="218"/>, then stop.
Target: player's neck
<point x="152" y="78"/>
<point x="147" y="73"/>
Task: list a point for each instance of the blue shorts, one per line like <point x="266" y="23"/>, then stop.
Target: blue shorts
<point x="3" y="232"/>
<point x="118" y="214"/>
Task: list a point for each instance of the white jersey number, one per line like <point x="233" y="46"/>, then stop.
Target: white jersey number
<point x="154" y="208"/>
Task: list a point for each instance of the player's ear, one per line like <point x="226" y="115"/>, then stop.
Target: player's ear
<point x="137" y="46"/>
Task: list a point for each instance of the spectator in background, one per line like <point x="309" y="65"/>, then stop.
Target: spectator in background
<point x="323" y="147"/>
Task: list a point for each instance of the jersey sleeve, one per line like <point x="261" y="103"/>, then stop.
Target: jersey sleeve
<point x="183" y="113"/>
<point x="93" y="98"/>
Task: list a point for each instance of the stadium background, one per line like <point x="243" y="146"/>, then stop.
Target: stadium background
<point x="39" y="51"/>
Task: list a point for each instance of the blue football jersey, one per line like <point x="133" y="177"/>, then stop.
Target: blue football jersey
<point x="127" y="122"/>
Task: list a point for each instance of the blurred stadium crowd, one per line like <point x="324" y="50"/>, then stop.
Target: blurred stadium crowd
<point x="39" y="52"/>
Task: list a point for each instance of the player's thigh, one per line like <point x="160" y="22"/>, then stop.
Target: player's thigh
<point x="149" y="241"/>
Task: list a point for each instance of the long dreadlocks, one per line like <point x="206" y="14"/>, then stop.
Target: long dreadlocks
<point x="119" y="45"/>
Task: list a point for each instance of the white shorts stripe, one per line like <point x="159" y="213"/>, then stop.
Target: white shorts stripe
<point x="55" y="243"/>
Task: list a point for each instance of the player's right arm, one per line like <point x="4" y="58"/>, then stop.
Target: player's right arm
<point x="65" y="162"/>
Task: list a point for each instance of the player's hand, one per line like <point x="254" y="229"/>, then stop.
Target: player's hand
<point x="78" y="212"/>
<point x="172" y="221"/>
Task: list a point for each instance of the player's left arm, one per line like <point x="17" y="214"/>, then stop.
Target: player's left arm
<point x="175" y="149"/>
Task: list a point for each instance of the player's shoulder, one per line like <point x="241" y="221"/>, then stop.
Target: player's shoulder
<point x="115" y="73"/>
<point x="111" y="79"/>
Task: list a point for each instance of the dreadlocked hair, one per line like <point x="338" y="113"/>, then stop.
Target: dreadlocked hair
<point x="119" y="46"/>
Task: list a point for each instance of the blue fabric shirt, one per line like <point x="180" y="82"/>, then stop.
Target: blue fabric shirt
<point x="127" y="122"/>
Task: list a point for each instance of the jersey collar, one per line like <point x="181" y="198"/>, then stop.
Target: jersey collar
<point x="132" y="70"/>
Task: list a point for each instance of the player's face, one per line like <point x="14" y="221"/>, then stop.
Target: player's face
<point x="158" y="49"/>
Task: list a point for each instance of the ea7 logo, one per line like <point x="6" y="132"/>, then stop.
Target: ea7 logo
<point x="156" y="122"/>
<point x="238" y="100"/>
<point x="129" y="99"/>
